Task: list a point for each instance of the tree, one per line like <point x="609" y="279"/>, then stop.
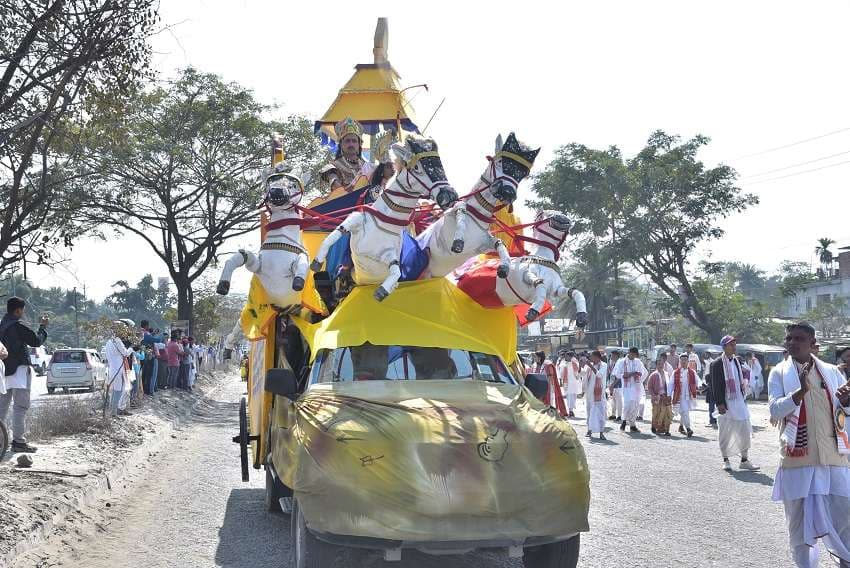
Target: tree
<point x="52" y="55"/>
<point x="825" y="255"/>
<point x="142" y="302"/>
<point x="180" y="169"/>
<point x="651" y="210"/>
<point x="795" y="276"/>
<point x="830" y="317"/>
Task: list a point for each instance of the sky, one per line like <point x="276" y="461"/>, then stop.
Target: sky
<point x="766" y="81"/>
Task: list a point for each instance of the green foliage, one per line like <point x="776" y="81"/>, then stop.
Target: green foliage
<point x="650" y="211"/>
<point x="795" y="276"/>
<point x="53" y="56"/>
<point x="142" y="302"/>
<point x="180" y="167"/>
<point x="830" y="318"/>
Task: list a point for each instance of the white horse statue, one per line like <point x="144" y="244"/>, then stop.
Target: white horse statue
<point x="452" y="239"/>
<point x="535" y="278"/>
<point x="376" y="231"/>
<point x="282" y="263"/>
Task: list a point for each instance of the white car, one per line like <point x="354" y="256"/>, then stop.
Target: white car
<point x="39" y="359"/>
<point x="76" y="369"/>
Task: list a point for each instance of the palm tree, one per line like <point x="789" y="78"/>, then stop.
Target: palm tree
<point x="824" y="254"/>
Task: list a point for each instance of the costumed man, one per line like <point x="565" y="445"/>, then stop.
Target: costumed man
<point x="810" y="400"/>
<point x="683" y="389"/>
<point x="615" y="388"/>
<point x="544" y="366"/>
<point x="573" y="383"/>
<point x="594" y="397"/>
<point x="632" y="372"/>
<point x="118" y="383"/>
<point x="735" y="431"/>
<point x="662" y="413"/>
<point x="756" y="375"/>
<point x="348" y="170"/>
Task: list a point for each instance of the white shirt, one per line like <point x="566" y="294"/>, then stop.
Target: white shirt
<point x="694" y="358"/>
<point x="115" y="353"/>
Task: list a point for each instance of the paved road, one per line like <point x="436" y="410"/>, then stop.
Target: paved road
<point x="655" y="503"/>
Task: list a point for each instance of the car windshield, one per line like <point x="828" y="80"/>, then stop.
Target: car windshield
<point x="69" y="357"/>
<point x="773" y="357"/>
<point x="397" y="363"/>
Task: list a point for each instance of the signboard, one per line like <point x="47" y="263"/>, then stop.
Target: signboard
<point x="555" y="325"/>
<point x="612" y="342"/>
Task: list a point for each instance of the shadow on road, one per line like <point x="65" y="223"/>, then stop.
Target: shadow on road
<point x="250" y="536"/>
<point x="752" y="477"/>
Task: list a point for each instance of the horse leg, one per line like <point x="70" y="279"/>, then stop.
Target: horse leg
<point x="301" y="266"/>
<point x="235" y="261"/>
<point x="539" y="295"/>
<point x="390" y="283"/>
<point x="504" y="258"/>
<point x="460" y="229"/>
<point x="580" y="302"/>
<point x="336" y="234"/>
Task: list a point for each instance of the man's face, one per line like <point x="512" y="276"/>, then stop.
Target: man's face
<point x="631" y="356"/>
<point x="799" y="344"/>
<point x="19" y="313"/>
<point x="350" y="145"/>
<point x="689" y="348"/>
<point x="683" y="362"/>
<point x="729" y="348"/>
<point x="672" y="349"/>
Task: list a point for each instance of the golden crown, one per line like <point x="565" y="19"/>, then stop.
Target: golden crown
<point x="348" y="126"/>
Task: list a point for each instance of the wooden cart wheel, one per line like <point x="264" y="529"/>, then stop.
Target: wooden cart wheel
<point x="243" y="438"/>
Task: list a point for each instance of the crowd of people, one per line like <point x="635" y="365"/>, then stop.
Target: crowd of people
<point x="143" y="361"/>
<point x="808" y="399"/>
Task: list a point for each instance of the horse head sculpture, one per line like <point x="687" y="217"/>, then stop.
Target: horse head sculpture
<point x="420" y="171"/>
<point x="511" y="163"/>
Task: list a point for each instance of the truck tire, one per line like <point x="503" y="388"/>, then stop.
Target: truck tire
<point x="307" y="550"/>
<point x="273" y="493"/>
<point x="51" y="390"/>
<point x="563" y="554"/>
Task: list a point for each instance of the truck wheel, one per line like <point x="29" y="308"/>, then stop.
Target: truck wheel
<point x="563" y="554"/>
<point x="273" y="493"/>
<point x="51" y="390"/>
<point x="307" y="550"/>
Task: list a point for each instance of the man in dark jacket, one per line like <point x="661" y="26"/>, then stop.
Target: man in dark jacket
<point x="18" y="338"/>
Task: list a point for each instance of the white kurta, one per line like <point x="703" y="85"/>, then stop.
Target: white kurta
<point x="816" y="498"/>
<point x="596" y="409"/>
<point x="734" y="431"/>
<point x="686" y="403"/>
<point x="117" y="379"/>
<point x="633" y="391"/>
<point x="573" y="379"/>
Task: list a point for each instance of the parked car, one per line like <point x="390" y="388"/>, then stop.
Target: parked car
<point x="77" y="369"/>
<point x="39" y="359"/>
<point x="768" y="355"/>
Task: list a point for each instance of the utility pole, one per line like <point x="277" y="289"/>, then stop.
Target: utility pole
<point x="76" y="318"/>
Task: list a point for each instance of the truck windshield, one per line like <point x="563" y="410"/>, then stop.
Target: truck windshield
<point x="398" y="363"/>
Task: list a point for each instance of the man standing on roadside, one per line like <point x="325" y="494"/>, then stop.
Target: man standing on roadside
<point x="810" y="400"/>
<point x="693" y="359"/>
<point x="632" y="372"/>
<point x="173" y="351"/>
<point x="735" y="431"/>
<point x="18" y="338"/>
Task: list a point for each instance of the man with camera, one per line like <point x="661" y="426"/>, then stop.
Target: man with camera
<point x="18" y="338"/>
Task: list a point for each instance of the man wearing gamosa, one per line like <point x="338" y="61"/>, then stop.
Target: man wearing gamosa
<point x="810" y="400"/>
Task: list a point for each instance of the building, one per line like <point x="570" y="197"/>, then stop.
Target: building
<point x="835" y="285"/>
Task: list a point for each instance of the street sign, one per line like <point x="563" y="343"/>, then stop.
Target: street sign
<point x="555" y="324"/>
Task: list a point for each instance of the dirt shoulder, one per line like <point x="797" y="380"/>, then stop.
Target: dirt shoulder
<point x="85" y="465"/>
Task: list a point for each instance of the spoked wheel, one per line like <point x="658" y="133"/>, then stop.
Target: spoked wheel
<point x="244" y="438"/>
<point x="4" y="439"/>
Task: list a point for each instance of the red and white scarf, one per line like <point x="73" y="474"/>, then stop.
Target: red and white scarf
<point x="795" y="433"/>
<point x="677" y="385"/>
<point x="733" y="391"/>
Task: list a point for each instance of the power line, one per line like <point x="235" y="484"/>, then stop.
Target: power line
<point x="793" y="144"/>
<point x="800" y="173"/>
<point x="797" y="165"/>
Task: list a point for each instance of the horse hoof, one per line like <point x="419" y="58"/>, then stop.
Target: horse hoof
<point x="316" y="266"/>
<point x="502" y="271"/>
<point x="581" y="319"/>
<point x="532" y="314"/>
<point x="381" y="294"/>
<point x="223" y="287"/>
<point x="457" y="246"/>
<point x="297" y="283"/>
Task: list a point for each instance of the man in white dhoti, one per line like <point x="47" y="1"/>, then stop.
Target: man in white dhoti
<point x="735" y="431"/>
<point x="632" y="372"/>
<point x="810" y="400"/>
<point x="573" y="383"/>
<point x="756" y="375"/>
<point x="118" y="382"/>
<point x="594" y="395"/>
<point x="683" y="390"/>
<point x="615" y="388"/>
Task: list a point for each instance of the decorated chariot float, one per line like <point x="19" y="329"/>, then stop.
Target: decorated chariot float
<point x="386" y="401"/>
